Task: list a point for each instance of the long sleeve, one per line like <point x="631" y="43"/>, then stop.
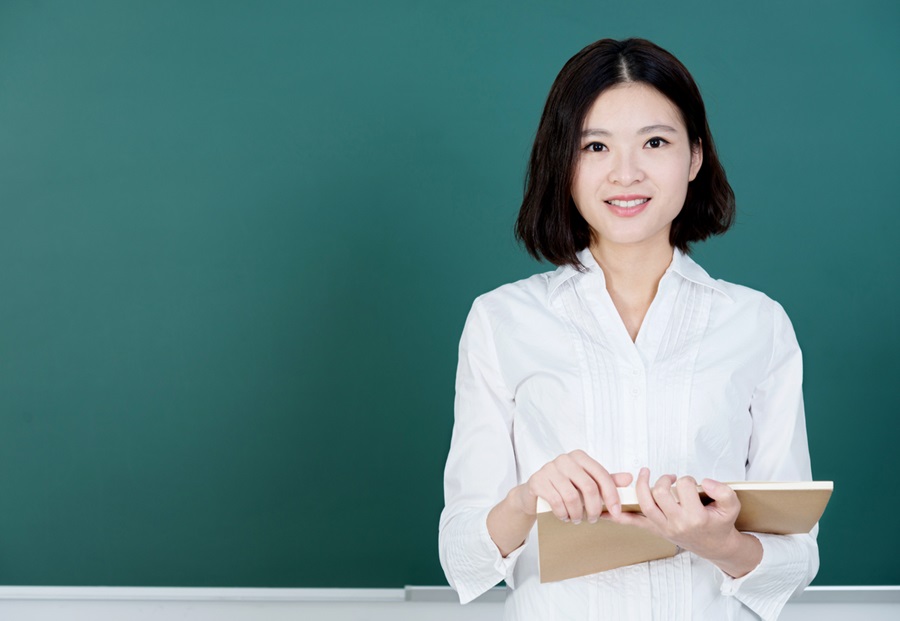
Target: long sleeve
<point x="481" y="466"/>
<point x="778" y="452"/>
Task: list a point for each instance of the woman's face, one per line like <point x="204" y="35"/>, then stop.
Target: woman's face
<point x="634" y="165"/>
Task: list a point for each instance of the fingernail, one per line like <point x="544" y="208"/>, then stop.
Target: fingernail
<point x="615" y="509"/>
<point x="592" y="519"/>
<point x="565" y="519"/>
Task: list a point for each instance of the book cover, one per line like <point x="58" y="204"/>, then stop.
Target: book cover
<point x="569" y="550"/>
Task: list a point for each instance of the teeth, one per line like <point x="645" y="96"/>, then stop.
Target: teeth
<point x="634" y="203"/>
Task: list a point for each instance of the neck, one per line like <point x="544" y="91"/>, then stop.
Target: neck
<point x="632" y="274"/>
<point x="632" y="270"/>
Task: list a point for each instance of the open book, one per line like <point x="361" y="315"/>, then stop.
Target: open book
<point x="569" y="550"/>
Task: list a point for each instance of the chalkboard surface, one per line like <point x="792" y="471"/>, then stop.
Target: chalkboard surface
<point x="239" y="241"/>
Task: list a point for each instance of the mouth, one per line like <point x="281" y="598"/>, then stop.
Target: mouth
<point x="627" y="204"/>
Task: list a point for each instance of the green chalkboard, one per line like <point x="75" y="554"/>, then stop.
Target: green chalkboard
<point x="239" y="241"/>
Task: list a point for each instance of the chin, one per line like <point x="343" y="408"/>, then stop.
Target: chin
<point x="635" y="238"/>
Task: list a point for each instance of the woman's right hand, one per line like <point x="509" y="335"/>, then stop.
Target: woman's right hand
<point x="575" y="485"/>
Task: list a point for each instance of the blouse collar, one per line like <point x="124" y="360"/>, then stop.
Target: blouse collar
<point x="681" y="264"/>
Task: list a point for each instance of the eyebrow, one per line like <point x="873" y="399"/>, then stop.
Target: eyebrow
<point x="649" y="129"/>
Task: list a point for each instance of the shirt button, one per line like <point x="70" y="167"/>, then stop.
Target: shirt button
<point x="635" y="391"/>
<point x="635" y="462"/>
<point x="635" y="372"/>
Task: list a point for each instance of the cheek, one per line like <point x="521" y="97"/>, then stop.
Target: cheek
<point x="580" y="190"/>
<point x="678" y="194"/>
<point x="585" y="184"/>
<point x="676" y="176"/>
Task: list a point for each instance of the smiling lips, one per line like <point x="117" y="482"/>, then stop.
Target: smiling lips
<point x="627" y="206"/>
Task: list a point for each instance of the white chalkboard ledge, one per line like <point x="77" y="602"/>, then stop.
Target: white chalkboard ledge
<point x="812" y="595"/>
<point x="872" y="603"/>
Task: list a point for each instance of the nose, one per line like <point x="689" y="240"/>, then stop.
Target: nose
<point x="626" y="168"/>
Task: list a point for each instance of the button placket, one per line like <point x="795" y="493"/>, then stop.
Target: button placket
<point x="639" y="408"/>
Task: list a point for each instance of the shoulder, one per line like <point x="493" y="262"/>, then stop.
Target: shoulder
<point x="516" y="305"/>
<point x="749" y="313"/>
<point x="742" y="298"/>
<point x="745" y="296"/>
<point x="739" y="309"/>
<point x="749" y="299"/>
<point x="528" y="292"/>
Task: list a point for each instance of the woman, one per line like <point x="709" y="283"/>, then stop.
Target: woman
<point x="627" y="360"/>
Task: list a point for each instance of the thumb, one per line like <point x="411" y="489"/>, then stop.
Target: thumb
<point x="525" y="498"/>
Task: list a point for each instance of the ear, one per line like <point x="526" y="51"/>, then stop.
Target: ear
<point x="696" y="160"/>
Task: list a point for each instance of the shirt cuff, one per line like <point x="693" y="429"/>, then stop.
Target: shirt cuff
<point x="481" y="566"/>
<point x="767" y="588"/>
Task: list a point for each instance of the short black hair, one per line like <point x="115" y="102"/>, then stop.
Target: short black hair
<point x="549" y="225"/>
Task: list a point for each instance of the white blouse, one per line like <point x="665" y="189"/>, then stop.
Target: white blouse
<point x="710" y="388"/>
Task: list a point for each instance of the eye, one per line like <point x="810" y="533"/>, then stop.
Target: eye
<point x="656" y="142"/>
<point x="595" y="147"/>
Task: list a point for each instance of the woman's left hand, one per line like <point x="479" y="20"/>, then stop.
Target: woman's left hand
<point x="707" y="531"/>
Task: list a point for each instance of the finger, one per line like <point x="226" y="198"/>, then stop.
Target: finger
<point x="645" y="498"/>
<point x="688" y="496"/>
<point x="587" y="487"/>
<point x="725" y="499"/>
<point x="622" y="479"/>
<point x="603" y="479"/>
<point x="571" y="497"/>
<point x="662" y="494"/>
<point x="546" y="490"/>
<point x="634" y="519"/>
<point x="546" y="483"/>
